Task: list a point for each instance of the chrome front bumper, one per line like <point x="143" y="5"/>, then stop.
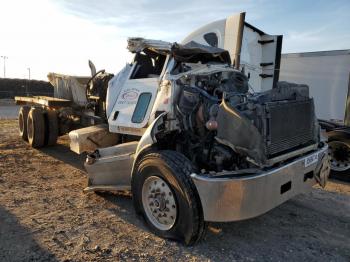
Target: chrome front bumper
<point x="238" y="198"/>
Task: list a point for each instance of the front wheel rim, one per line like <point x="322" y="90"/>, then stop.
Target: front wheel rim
<point x="159" y="203"/>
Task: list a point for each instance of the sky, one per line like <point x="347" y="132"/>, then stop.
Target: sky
<point x="61" y="35"/>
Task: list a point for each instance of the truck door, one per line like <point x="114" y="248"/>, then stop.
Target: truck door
<point x="250" y="48"/>
<point x="132" y="109"/>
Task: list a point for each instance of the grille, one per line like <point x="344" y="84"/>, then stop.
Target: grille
<point x="289" y="125"/>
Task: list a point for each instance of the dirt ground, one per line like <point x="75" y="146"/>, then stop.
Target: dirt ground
<point x="45" y="216"/>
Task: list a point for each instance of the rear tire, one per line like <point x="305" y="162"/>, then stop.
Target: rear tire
<point x="22" y="122"/>
<point x="339" y="139"/>
<point x="36" y="128"/>
<point x="51" y="121"/>
<point x="339" y="151"/>
<point x="165" y="195"/>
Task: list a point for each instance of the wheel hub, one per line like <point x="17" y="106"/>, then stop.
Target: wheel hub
<point x="159" y="203"/>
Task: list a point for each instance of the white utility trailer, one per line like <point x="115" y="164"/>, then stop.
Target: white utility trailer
<point x="327" y="73"/>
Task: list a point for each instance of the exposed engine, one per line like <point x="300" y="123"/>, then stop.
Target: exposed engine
<point x="226" y="127"/>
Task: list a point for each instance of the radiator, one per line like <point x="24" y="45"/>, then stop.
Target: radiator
<point x="289" y="125"/>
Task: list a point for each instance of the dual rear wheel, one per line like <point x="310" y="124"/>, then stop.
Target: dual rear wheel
<point x="38" y="126"/>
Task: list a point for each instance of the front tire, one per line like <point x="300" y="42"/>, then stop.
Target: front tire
<point x="165" y="195"/>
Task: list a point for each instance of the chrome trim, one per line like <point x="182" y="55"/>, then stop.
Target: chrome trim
<point x="233" y="198"/>
<point x="292" y="154"/>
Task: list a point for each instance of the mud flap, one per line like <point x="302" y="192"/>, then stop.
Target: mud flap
<point x="321" y="173"/>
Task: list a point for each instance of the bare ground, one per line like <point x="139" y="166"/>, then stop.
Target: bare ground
<point x="45" y="216"/>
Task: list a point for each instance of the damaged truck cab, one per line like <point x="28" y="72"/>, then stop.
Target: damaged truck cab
<point x="196" y="143"/>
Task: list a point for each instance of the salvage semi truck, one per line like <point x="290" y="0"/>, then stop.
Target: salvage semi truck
<point x="192" y="140"/>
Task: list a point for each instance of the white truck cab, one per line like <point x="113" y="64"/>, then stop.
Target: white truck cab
<point x="251" y="49"/>
<point x="196" y="142"/>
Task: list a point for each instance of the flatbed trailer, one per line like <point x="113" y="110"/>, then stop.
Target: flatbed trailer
<point x="42" y="119"/>
<point x="46" y="101"/>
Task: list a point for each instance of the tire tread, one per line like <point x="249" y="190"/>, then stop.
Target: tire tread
<point x="37" y="117"/>
<point x="183" y="169"/>
<point x="52" y="128"/>
<point x="23" y="112"/>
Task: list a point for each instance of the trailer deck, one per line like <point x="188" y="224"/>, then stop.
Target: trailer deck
<point x="43" y="100"/>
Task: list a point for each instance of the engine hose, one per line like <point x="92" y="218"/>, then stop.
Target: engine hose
<point x="195" y="108"/>
<point x="184" y="122"/>
<point x="205" y="94"/>
<point x="229" y="95"/>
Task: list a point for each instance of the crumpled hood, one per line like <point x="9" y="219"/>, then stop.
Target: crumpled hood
<point x="180" y="52"/>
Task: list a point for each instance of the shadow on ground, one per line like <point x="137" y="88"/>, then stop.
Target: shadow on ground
<point x="286" y="233"/>
<point x="17" y="243"/>
<point x="62" y="152"/>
